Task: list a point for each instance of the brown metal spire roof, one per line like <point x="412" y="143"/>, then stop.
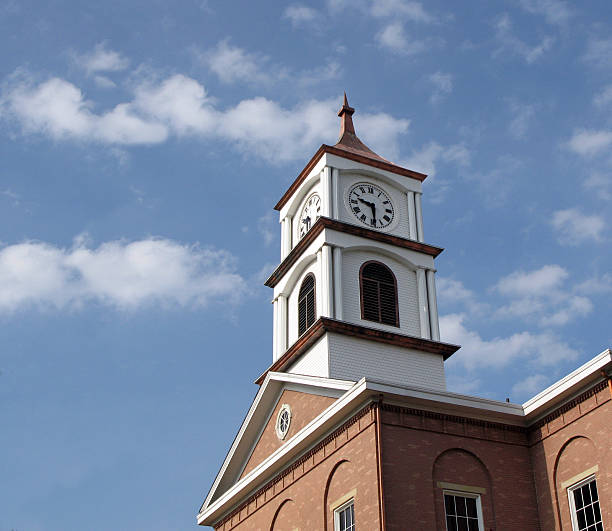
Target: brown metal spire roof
<point x="348" y="140"/>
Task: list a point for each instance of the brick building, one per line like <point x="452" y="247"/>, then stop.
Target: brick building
<point x="352" y="427"/>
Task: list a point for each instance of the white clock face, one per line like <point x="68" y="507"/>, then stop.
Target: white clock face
<point x="310" y="213"/>
<point x="371" y="205"/>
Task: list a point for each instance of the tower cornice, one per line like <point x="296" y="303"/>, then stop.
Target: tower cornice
<point x="341" y="226"/>
<point x="342" y="151"/>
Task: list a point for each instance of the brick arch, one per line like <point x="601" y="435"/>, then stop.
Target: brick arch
<point x="462" y="467"/>
<point x="575" y="456"/>
<point x="287" y="517"/>
<point x="332" y="492"/>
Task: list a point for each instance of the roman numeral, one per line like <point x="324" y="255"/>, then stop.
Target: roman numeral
<point x="389" y="210"/>
<point x="362" y="190"/>
<point x="356" y="210"/>
<point x="385" y="202"/>
<point x="354" y="201"/>
<point x="387" y="218"/>
<point x="363" y="217"/>
<point x="373" y="222"/>
<point x="370" y="190"/>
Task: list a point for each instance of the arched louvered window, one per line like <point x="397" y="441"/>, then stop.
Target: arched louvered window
<point x="378" y="294"/>
<point x="306" y="304"/>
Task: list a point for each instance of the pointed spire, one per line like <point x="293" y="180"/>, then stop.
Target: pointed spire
<point x="346" y="120"/>
<point x="348" y="138"/>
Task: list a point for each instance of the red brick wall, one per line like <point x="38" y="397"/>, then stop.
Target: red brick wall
<point x="419" y="449"/>
<point x="304" y="408"/>
<point x="299" y="499"/>
<point x="565" y="444"/>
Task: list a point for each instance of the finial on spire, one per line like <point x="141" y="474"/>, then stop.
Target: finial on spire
<point x="346" y="113"/>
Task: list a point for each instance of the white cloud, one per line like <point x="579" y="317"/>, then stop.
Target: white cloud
<point x="604" y="97"/>
<point x="588" y="143"/>
<point x="425" y="159"/>
<point x="510" y="42"/>
<point x="522" y="115"/>
<point x="58" y="109"/>
<point x="596" y="285"/>
<point x="102" y="59"/>
<point x="554" y="11"/>
<point x="267" y="228"/>
<point x="538" y="282"/>
<point x="543" y="349"/>
<point x="575" y="228"/>
<point x="442" y="86"/>
<point x="120" y="274"/>
<point x="400" y="8"/>
<point x="599" y="53"/>
<point x="231" y="64"/>
<point x="393" y="37"/>
<point x="180" y="105"/>
<point x="541" y="296"/>
<point x="300" y="14"/>
<point x="530" y="386"/>
<point x="104" y="82"/>
<point x="452" y="292"/>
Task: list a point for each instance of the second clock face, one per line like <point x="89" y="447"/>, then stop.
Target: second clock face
<point x="310" y="213"/>
<point x="371" y="205"/>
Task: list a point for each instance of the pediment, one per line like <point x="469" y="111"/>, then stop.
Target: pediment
<point x="307" y="397"/>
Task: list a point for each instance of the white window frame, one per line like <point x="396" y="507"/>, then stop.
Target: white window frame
<point x="572" y="503"/>
<point x="341" y="508"/>
<point x="465" y="494"/>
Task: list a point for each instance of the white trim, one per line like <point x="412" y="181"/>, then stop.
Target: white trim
<point x="572" y="503"/>
<point x="465" y="494"/>
<point x="273" y="379"/>
<point x="412" y="230"/>
<point x="343" y="507"/>
<point x="419" y="216"/>
<point x="569" y="383"/>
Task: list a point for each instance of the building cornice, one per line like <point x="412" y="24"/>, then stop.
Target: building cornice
<point x="341" y="226"/>
<point x="332" y="150"/>
<point x="325" y="324"/>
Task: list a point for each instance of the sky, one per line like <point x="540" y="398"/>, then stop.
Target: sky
<point x="143" y="146"/>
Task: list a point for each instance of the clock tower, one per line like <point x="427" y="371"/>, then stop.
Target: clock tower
<point x="352" y="426"/>
<point x="354" y="294"/>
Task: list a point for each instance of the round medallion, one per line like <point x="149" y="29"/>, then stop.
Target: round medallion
<point x="371" y="205"/>
<point x="283" y="421"/>
<point x="310" y="213"/>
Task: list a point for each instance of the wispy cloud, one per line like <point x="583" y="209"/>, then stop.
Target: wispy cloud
<point x="408" y="10"/>
<point x="542" y="349"/>
<point x="393" y="37"/>
<point x="301" y="15"/>
<point x="522" y="115"/>
<point x="573" y="227"/>
<point x="603" y="98"/>
<point x="555" y="12"/>
<point x="442" y="84"/>
<point x="509" y="42"/>
<point x="101" y="59"/>
<point x="530" y="386"/>
<point x="588" y="142"/>
<point x="121" y="274"/>
<point x="599" y="53"/>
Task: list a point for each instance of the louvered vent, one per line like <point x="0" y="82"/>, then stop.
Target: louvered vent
<point x="378" y="294"/>
<point x="306" y="305"/>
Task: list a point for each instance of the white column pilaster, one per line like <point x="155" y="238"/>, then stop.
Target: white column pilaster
<point x="326" y="191"/>
<point x="327" y="293"/>
<point x="275" y="330"/>
<point x="412" y="228"/>
<point x="285" y="237"/>
<point x="335" y="194"/>
<point x="280" y="326"/>
<point x="433" y="306"/>
<point x="337" y="256"/>
<point x="419" y="216"/>
<point x="423" y="305"/>
<point x="319" y="283"/>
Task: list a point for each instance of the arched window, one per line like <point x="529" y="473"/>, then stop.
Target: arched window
<point x="378" y="294"/>
<point x="306" y="305"/>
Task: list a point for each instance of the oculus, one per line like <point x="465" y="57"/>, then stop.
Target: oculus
<point x="283" y="421"/>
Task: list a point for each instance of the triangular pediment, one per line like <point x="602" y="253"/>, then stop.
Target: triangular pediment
<point x="307" y="397"/>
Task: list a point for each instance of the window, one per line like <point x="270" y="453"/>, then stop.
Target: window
<point x="306" y="305"/>
<point x="378" y="294"/>
<point x="463" y="511"/>
<point x="283" y="421"/>
<point x="584" y="506"/>
<point x="344" y="517"/>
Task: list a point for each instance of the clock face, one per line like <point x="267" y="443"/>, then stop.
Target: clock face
<point x="371" y="205"/>
<point x="310" y="213"/>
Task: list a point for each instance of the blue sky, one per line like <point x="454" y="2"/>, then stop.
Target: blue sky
<point x="143" y="146"/>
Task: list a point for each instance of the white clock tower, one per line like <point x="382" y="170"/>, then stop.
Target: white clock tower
<point x="354" y="294"/>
